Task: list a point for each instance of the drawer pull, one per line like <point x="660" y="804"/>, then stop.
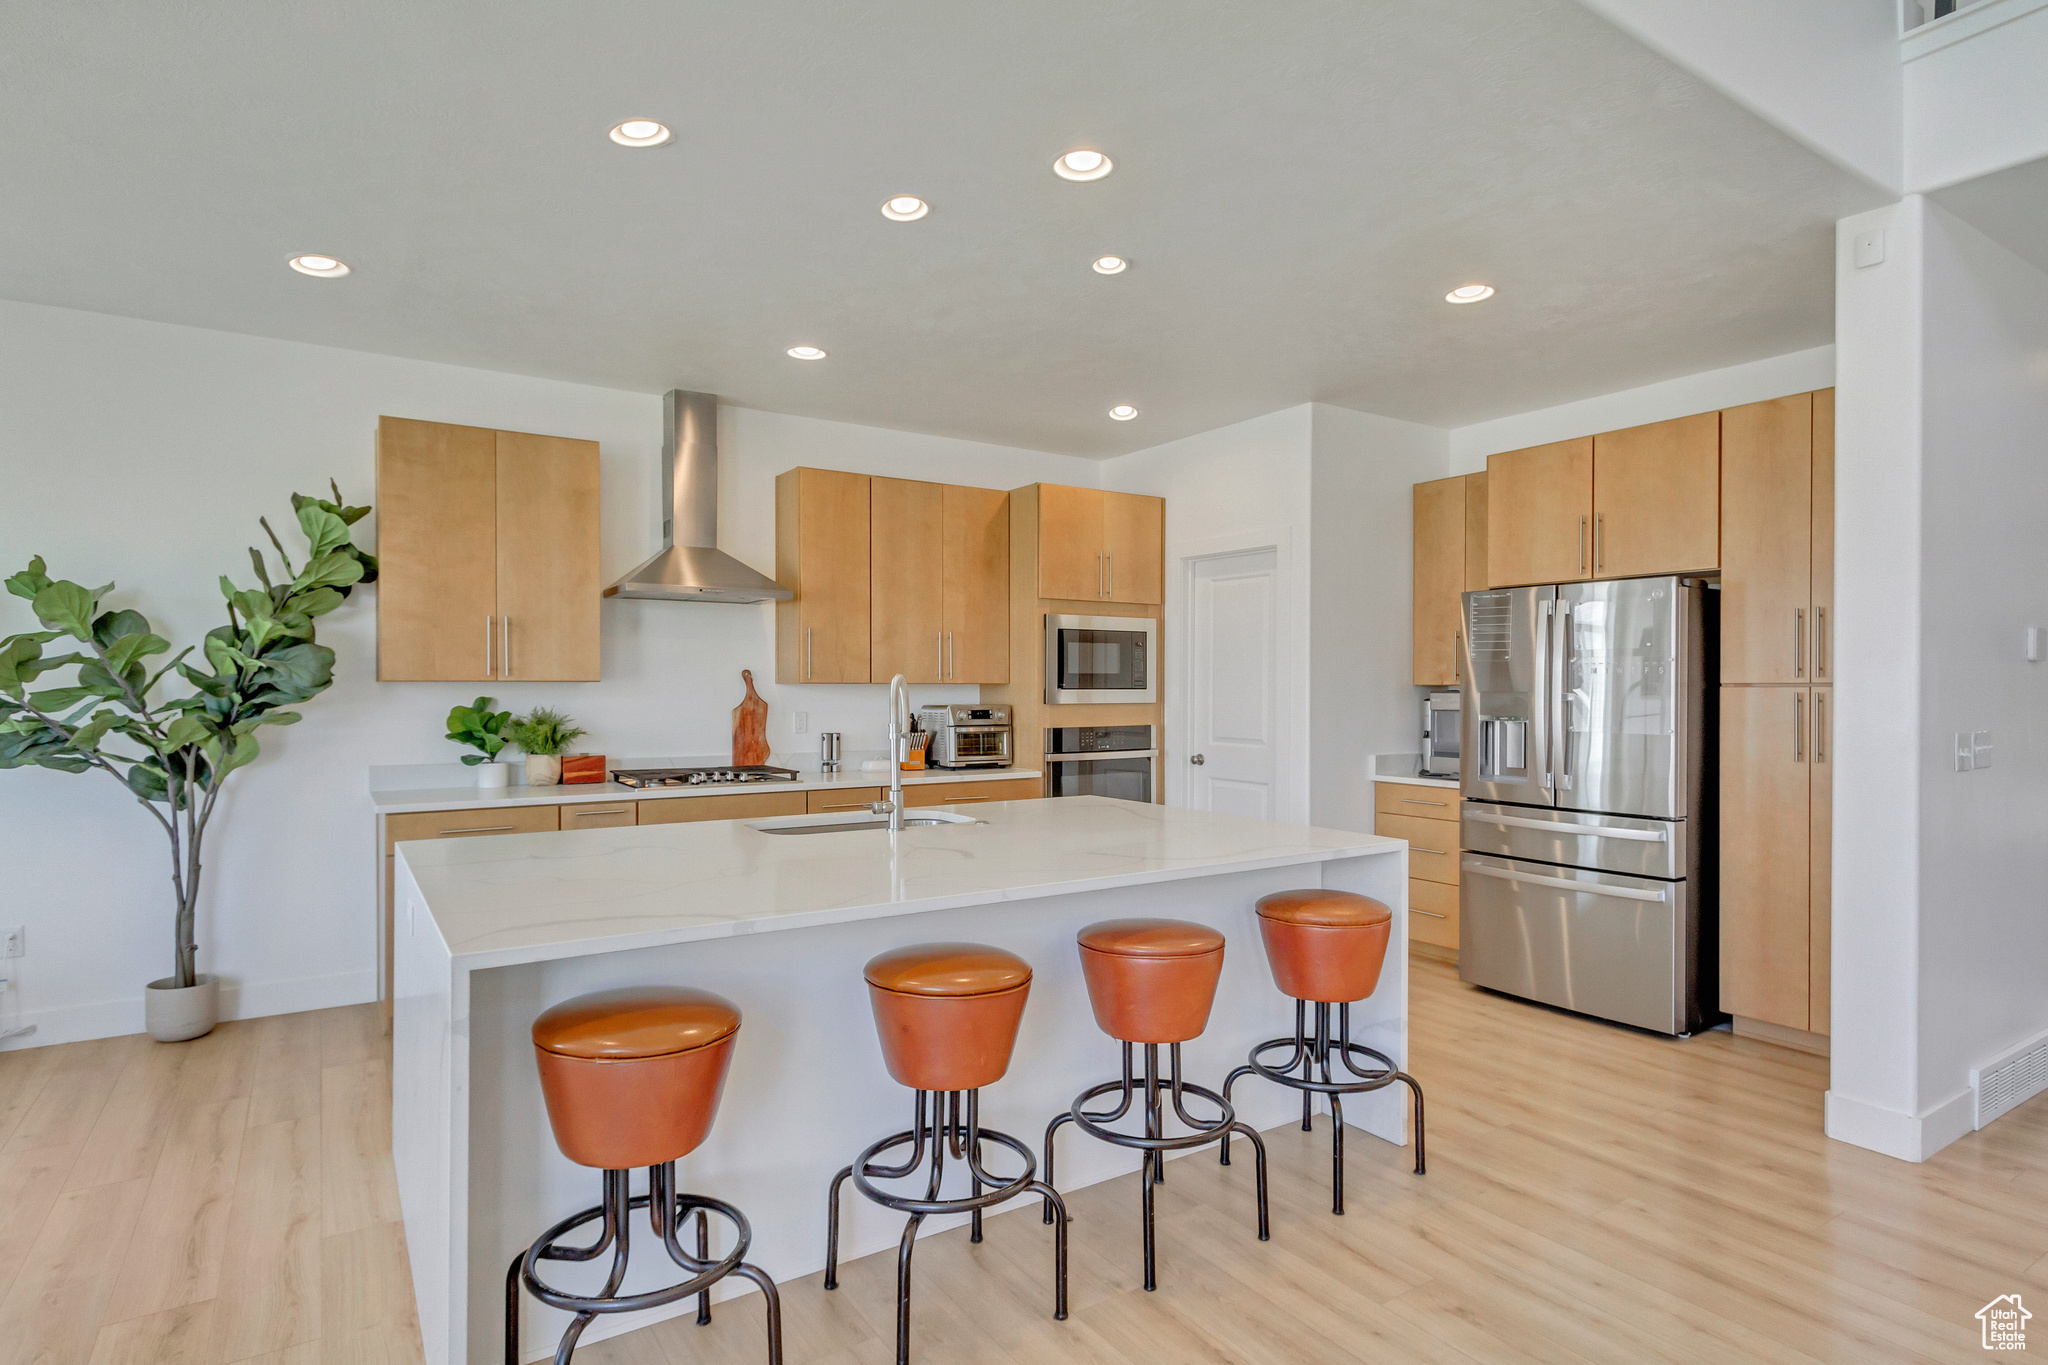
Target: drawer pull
<point x="1645" y="836"/>
<point x="1431" y="913"/>
<point x="851" y="805"/>
<point x="477" y="829"/>
<point x="586" y="814"/>
<point x="1417" y="848"/>
<point x="1412" y="801"/>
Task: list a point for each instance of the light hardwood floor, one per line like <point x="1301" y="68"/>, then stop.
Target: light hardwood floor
<point x="1594" y="1195"/>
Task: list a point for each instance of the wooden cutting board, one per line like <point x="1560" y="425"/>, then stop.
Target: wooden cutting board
<point x="750" y="726"/>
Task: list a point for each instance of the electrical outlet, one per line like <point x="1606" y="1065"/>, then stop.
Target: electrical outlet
<point x="14" y="942"/>
<point x="801" y="724"/>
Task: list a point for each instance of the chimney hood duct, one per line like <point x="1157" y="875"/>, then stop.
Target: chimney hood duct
<point x="691" y="567"/>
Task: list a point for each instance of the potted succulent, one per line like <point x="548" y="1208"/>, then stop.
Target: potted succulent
<point x="545" y="735"/>
<point x="486" y="730"/>
<point x="174" y="754"/>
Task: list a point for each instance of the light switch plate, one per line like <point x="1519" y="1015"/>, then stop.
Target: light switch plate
<point x="1867" y="249"/>
<point x="14" y="942"/>
<point x="800" y="722"/>
<point x="1966" y="755"/>
<point x="2033" y="644"/>
<point x="1980" y="748"/>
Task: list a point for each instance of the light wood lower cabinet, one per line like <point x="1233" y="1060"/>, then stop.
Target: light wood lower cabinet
<point x="1427" y="817"/>
<point x="682" y="810"/>
<point x="971" y="793"/>
<point x="1776" y="805"/>
<point x="1433" y="913"/>
<point x="610" y="815"/>
<point x="842" y="799"/>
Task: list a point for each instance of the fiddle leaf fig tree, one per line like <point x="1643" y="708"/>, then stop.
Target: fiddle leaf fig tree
<point x="173" y="754"/>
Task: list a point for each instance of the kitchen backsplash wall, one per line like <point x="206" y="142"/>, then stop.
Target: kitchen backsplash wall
<point x="144" y="453"/>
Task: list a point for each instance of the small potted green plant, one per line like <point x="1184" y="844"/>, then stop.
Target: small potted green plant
<point x="478" y="726"/>
<point x="545" y="734"/>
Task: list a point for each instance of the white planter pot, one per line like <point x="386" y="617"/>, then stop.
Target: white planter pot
<point x="543" y="770"/>
<point x="175" y="1013"/>
<point x="494" y="776"/>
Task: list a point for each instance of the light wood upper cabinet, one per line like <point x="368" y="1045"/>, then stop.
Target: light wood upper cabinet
<point x="548" y="577"/>
<point x="1070" y="543"/>
<point x="1475" y="532"/>
<point x="1133" y="544"/>
<point x="822" y="554"/>
<point x="1545" y="497"/>
<point x="975" y="605"/>
<point x="1095" y="546"/>
<point x="1767" y="736"/>
<point x="907" y="565"/>
<point x="1656" y="498"/>
<point x="1823" y="536"/>
<point x="487" y="548"/>
<point x="1767" y="549"/>
<point x="1440" y="553"/>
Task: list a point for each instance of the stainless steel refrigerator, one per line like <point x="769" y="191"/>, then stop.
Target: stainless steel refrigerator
<point x="1585" y="877"/>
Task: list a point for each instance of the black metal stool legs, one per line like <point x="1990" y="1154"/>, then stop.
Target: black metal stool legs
<point x="1153" y="1142"/>
<point x="1312" y="1054"/>
<point x="668" y="1212"/>
<point x="954" y="1124"/>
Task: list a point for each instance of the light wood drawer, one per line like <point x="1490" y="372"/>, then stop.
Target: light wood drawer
<point x="1432" y="913"/>
<point x="469" y="824"/>
<point x="842" y="799"/>
<point x="1432" y="845"/>
<point x="682" y="810"/>
<point x="960" y="793"/>
<point x="608" y="815"/>
<point x="1402" y="798"/>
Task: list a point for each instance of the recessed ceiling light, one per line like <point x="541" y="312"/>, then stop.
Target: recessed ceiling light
<point x="1110" y="265"/>
<point x="1082" y="164"/>
<point x="326" y="267"/>
<point x="1469" y="293"/>
<point x="905" y="208"/>
<point x="1123" y="412"/>
<point x="641" y="132"/>
<point x="805" y="353"/>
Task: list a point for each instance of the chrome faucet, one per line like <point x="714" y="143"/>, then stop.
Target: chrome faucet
<point x="899" y="750"/>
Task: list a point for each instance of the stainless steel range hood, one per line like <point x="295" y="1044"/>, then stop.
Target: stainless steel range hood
<point x="691" y="567"/>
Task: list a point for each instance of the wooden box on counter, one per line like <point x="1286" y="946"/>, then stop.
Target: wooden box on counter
<point x="583" y="768"/>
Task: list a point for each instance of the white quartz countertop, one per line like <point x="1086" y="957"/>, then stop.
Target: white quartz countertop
<point x="516" y="898"/>
<point x="1411" y="780"/>
<point x="406" y="801"/>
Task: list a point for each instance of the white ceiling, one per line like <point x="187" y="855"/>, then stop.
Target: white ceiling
<point x="1297" y="185"/>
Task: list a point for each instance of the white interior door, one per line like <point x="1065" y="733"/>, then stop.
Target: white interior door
<point x="1233" y="684"/>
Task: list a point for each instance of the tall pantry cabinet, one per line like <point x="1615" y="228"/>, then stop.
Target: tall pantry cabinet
<point x="1777" y="704"/>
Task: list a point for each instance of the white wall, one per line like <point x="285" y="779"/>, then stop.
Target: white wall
<point x="1234" y="488"/>
<point x="1824" y="71"/>
<point x="1981" y="104"/>
<point x="1362" y="699"/>
<point x="1708" y="391"/>
<point x="144" y="453"/>
<point x="1941" y="916"/>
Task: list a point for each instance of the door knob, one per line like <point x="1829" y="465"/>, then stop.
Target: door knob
<point x="1198" y="760"/>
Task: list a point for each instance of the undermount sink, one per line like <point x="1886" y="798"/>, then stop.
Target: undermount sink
<point x="835" y="824"/>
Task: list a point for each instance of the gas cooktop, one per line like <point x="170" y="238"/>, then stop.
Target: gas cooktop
<point x="700" y="777"/>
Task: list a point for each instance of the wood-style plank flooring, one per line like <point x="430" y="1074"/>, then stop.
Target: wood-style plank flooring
<point x="1594" y="1195"/>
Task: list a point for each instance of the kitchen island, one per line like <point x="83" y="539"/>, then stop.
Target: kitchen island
<point x="491" y="931"/>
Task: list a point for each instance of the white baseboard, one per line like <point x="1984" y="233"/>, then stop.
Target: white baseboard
<point x="1909" y="1137"/>
<point x="238" y="1000"/>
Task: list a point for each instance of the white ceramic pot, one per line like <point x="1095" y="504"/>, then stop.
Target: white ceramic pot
<point x="174" y="1013"/>
<point x="543" y="770"/>
<point x="494" y="775"/>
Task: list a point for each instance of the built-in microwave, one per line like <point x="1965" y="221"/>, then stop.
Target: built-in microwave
<point x="1100" y="659"/>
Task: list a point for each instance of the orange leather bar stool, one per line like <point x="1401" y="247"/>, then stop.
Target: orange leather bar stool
<point x="1152" y="982"/>
<point x="947" y="1014"/>
<point x="632" y="1078"/>
<point x="1326" y="948"/>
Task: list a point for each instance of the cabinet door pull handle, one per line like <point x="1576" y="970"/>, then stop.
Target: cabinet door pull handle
<point x="1799" y="642"/>
<point x="490" y="650"/>
<point x="476" y="829"/>
<point x="1431" y="913"/>
<point x="1798" y="727"/>
<point x="505" y="643"/>
<point x="1100" y="590"/>
<point x="1109" y="561"/>
<point x="1412" y="801"/>
<point x="1820" y="648"/>
<point x="952" y="659"/>
<point x="1582" y="544"/>
<point x="808" y="654"/>
<point x="940" y="639"/>
<point x="1600" y="542"/>
<point x="1457" y="656"/>
<point x="1820" y="727"/>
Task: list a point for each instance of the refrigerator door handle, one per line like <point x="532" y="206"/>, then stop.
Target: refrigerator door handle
<point x="1627" y="893"/>
<point x="1647" y="836"/>
<point x="1561" y="684"/>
